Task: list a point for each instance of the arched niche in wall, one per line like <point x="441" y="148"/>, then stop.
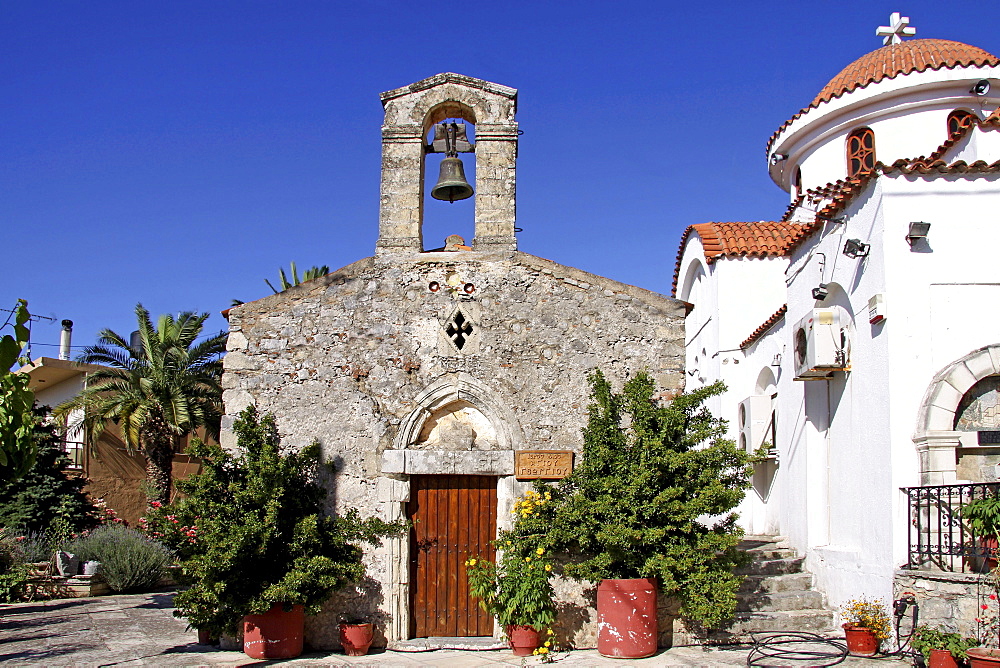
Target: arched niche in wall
<point x="764" y="472"/>
<point x="955" y="399"/>
<point x="458" y="404"/>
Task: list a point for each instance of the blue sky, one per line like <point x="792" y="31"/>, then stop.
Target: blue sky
<point x="179" y="153"/>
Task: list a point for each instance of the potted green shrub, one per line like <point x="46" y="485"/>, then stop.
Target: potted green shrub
<point x="263" y="551"/>
<point x="941" y="649"/>
<point x="982" y="516"/>
<point x="516" y="590"/>
<point x="630" y="517"/>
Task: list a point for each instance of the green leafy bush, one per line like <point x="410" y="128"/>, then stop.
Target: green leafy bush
<point x="926" y="638"/>
<point x="262" y="536"/>
<point x="652" y="498"/>
<point x="13" y="569"/>
<point x="516" y="590"/>
<point x="130" y="561"/>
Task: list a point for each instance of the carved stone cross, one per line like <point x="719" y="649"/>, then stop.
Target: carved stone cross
<point x="897" y="29"/>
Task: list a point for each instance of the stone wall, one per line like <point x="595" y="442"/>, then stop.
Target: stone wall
<point x="362" y="361"/>
<point x="947" y="601"/>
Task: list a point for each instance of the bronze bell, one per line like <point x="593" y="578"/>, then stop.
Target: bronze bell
<point x="451" y="185"/>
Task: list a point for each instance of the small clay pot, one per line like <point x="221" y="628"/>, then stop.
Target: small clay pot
<point x="356" y="638"/>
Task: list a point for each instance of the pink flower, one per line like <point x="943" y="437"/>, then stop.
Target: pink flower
<point x="156" y="504"/>
<point x="985" y="607"/>
<point x="993" y="597"/>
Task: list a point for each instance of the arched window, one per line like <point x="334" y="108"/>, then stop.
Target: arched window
<point x="860" y="152"/>
<point x="958" y="120"/>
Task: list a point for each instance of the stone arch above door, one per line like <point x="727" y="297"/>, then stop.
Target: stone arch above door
<point x="448" y="395"/>
<point x="935" y="435"/>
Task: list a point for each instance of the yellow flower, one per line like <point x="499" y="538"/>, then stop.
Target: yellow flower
<point x="539" y="552"/>
<point x="510" y="544"/>
<point x="548" y="643"/>
<point x="551" y="632"/>
<point x="543" y="650"/>
<point x="548" y="567"/>
<point x="472" y="562"/>
<point x="527" y="558"/>
<point x="548" y="496"/>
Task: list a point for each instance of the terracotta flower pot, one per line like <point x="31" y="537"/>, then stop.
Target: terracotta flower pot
<point x="524" y="640"/>
<point x="356" y="638"/>
<point x="626" y="618"/>
<point x="980" y="657"/>
<point x="276" y="634"/>
<point x="861" y="641"/>
<point x="941" y="658"/>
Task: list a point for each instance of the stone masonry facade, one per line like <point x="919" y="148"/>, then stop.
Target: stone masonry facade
<point x="360" y="360"/>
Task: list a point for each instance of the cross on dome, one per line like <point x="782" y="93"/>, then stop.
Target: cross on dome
<point x="898" y="28"/>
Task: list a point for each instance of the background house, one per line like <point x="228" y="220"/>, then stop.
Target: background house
<point x="857" y="333"/>
<point x="112" y="473"/>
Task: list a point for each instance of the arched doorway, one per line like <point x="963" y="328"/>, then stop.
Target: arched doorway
<point x="951" y="399"/>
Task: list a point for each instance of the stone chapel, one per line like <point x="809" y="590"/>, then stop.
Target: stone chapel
<point x="422" y="373"/>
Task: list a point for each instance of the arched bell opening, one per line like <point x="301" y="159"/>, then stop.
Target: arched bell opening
<point x="449" y="176"/>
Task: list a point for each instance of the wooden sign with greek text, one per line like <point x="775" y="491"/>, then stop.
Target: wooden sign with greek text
<point x="542" y="464"/>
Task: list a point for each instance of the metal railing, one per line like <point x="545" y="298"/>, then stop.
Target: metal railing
<point x="939" y="538"/>
<point x="74" y="451"/>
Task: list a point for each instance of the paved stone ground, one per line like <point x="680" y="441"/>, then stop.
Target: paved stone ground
<point x="139" y="630"/>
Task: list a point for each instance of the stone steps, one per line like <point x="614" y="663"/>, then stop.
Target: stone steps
<point x="779" y="601"/>
<point x="766" y="584"/>
<point x="745" y="623"/>
<point x="772" y="567"/>
<point x="776" y="595"/>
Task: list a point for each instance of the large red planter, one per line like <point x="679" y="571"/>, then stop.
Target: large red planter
<point x="980" y="657"/>
<point x="626" y="618"/>
<point x="276" y="634"/>
<point x="524" y="640"/>
<point x="861" y="641"/>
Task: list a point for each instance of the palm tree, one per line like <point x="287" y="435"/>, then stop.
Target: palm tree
<point x="156" y="393"/>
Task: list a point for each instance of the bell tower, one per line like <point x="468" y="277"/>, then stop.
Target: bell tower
<point x="410" y="112"/>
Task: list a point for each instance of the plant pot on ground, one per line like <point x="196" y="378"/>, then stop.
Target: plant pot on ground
<point x="261" y="537"/>
<point x="866" y="625"/>
<point x="654" y="466"/>
<point x="941" y="649"/>
<point x="356" y="637"/>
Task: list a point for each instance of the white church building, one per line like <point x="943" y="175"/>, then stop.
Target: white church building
<point x="859" y="334"/>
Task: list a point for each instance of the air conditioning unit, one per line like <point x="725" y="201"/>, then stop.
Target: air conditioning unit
<point x="754" y="421"/>
<point x="821" y="344"/>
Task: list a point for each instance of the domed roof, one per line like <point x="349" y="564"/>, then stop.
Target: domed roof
<point x="915" y="55"/>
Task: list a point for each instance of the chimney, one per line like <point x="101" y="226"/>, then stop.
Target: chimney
<point x="64" y="339"/>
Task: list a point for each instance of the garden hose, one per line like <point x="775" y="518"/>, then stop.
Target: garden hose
<point x="810" y="649"/>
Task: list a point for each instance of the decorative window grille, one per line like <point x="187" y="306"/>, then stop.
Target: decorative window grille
<point x="860" y="152"/>
<point x="458" y="329"/>
<point x="958" y="120"/>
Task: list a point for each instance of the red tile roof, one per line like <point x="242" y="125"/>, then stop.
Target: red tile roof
<point x="757" y="239"/>
<point x="914" y="55"/>
<point x="766" y="325"/>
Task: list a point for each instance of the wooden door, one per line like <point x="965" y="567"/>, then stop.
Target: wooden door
<point x="454" y="517"/>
